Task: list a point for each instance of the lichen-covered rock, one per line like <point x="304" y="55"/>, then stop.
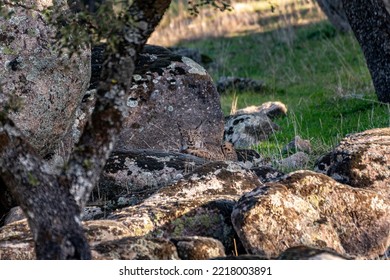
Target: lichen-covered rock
<point x="361" y="160"/>
<point x="46" y="88"/>
<point x="307" y="208"/>
<point x="198" y="205"/>
<point x="245" y="131"/>
<point x="170" y="93"/>
<point x="135" y="248"/>
<point x="272" y="109"/>
<point x="133" y="175"/>
<point x="108" y="240"/>
<point x="198" y="248"/>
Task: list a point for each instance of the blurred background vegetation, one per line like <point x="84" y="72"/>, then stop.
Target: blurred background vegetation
<point x="318" y="72"/>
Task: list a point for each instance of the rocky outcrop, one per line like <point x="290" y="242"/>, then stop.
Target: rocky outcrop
<point x="133" y="175"/>
<point x="307" y="208"/>
<point x="296" y="161"/>
<point x="45" y="87"/>
<point x="245" y="131"/>
<point x="198" y="205"/>
<point x="133" y="248"/>
<point x="170" y="93"/>
<point x="361" y="160"/>
<point x="198" y="248"/>
<point x="272" y="109"/>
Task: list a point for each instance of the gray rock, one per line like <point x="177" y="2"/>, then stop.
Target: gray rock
<point x="361" y="160"/>
<point x="198" y="248"/>
<point x="272" y="109"/>
<point x="131" y="176"/>
<point x="46" y="88"/>
<point x="170" y="93"/>
<point x="296" y="161"/>
<point x="245" y="131"/>
<point x="311" y="209"/>
<point x="135" y="248"/>
<point x="198" y="205"/>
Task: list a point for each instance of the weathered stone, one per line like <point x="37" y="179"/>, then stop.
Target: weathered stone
<point x="267" y="173"/>
<point x="108" y="240"/>
<point x="361" y="160"/>
<point x="198" y="248"/>
<point x="47" y="87"/>
<point x="271" y="109"/>
<point x="297" y="145"/>
<point x="311" y="209"/>
<point x="225" y="84"/>
<point x="131" y="176"/>
<point x="247" y="130"/>
<point x="170" y="93"/>
<point x="135" y="248"/>
<point x="198" y="205"/>
<point x="296" y="161"/>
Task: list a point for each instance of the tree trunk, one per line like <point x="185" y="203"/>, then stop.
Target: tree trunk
<point x="370" y="23"/>
<point x="334" y="10"/>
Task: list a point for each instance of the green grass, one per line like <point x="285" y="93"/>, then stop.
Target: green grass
<point x="317" y="72"/>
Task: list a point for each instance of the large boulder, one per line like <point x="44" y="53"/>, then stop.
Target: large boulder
<point x="131" y="176"/>
<point x="311" y="209"/>
<point x="46" y="87"/>
<point x="198" y="205"/>
<point x="244" y="131"/>
<point x="170" y="96"/>
<point x="361" y="160"/>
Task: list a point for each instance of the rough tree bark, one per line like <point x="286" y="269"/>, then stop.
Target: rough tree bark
<point x="370" y="23"/>
<point x="52" y="203"/>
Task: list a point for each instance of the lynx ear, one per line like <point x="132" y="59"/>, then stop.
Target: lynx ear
<point x="201" y="122"/>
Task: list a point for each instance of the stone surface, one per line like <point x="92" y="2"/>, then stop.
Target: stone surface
<point x="311" y="209"/>
<point x="310" y="253"/>
<point x="271" y="109"/>
<point x="133" y="248"/>
<point x="198" y="248"/>
<point x="245" y="131"/>
<point x="108" y="240"/>
<point x="225" y="84"/>
<point x="198" y="205"/>
<point x="170" y="93"/>
<point x="361" y="160"/>
<point x="133" y="175"/>
<point x="46" y="88"/>
<point x="296" y="161"/>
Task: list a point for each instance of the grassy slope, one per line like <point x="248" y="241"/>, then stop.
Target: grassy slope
<point x="318" y="73"/>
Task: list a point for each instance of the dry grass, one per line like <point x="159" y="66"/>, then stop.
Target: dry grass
<point x="246" y="17"/>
